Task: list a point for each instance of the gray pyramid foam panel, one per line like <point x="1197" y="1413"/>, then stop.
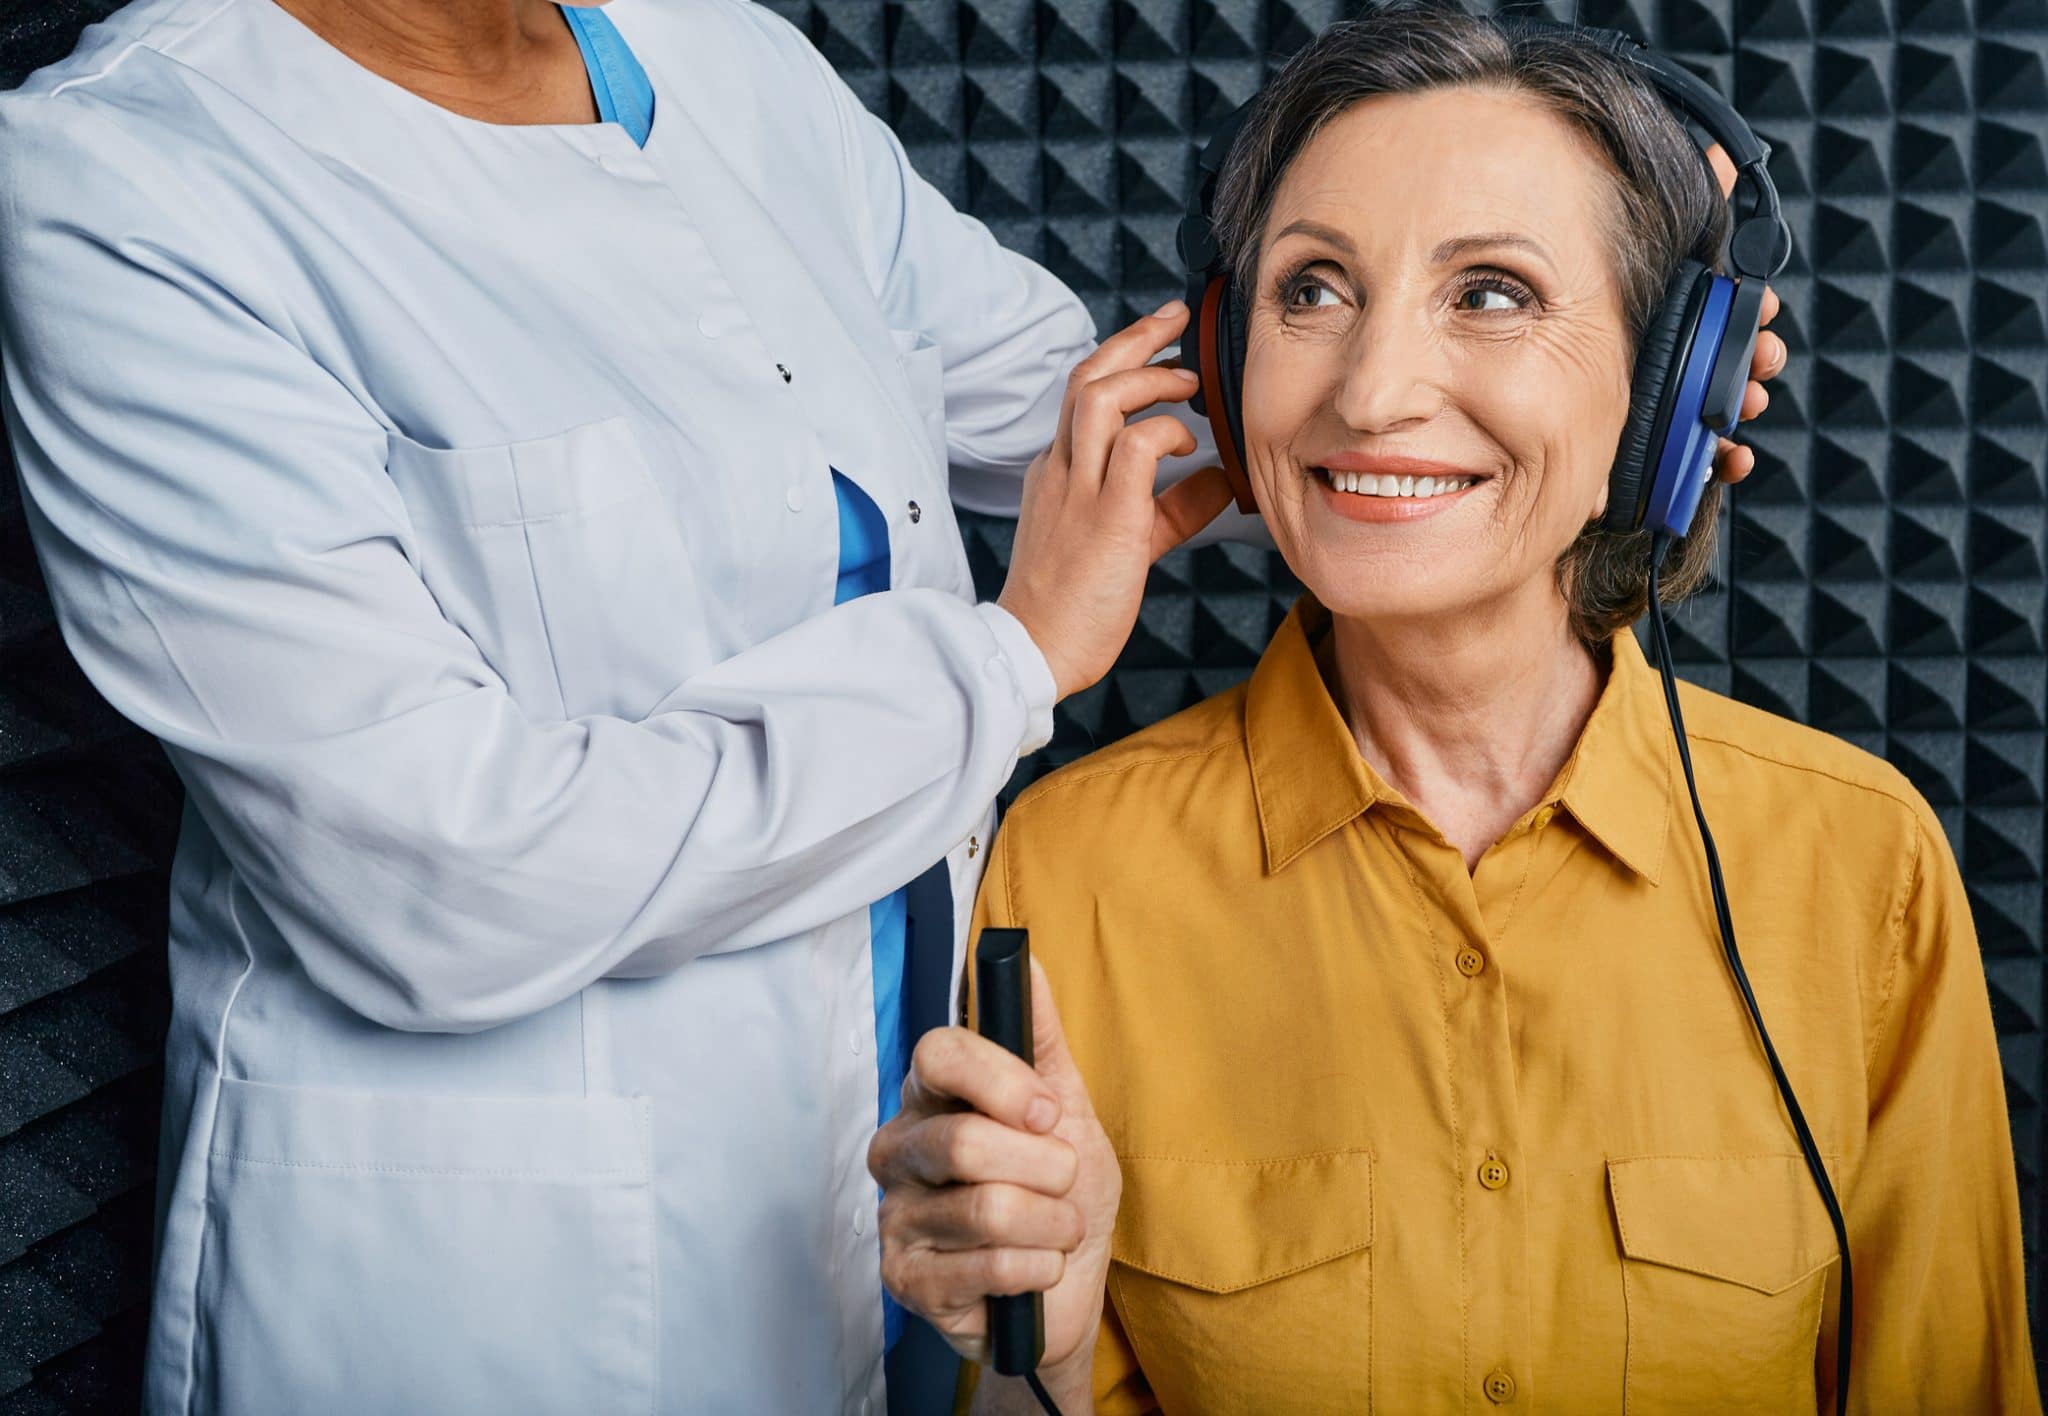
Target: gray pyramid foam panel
<point x="1882" y="576"/>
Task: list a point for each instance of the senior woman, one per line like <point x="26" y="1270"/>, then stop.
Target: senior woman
<point x="1401" y="1068"/>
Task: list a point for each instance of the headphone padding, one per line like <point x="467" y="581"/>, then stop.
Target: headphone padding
<point x="1635" y="456"/>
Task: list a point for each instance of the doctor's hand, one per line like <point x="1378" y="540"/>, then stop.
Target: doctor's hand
<point x="998" y="1179"/>
<point x="1733" y="461"/>
<point x="1090" y="526"/>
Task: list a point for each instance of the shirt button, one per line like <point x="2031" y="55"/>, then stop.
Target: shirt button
<point x="1471" y="962"/>
<point x="1493" y="1173"/>
<point x="1499" y="1387"/>
<point x="916" y="515"/>
<point x="794" y="498"/>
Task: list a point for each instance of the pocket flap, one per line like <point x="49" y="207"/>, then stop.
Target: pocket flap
<point x="583" y="470"/>
<point x="1756" y="1220"/>
<point x="1222" y="1225"/>
<point x="403" y="1134"/>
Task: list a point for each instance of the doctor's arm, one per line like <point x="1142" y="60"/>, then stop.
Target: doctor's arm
<point x="1009" y="332"/>
<point x="233" y="568"/>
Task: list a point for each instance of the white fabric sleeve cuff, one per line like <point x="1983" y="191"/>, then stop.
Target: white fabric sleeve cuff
<point x="1030" y="676"/>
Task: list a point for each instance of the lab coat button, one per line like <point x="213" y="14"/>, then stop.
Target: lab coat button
<point x="783" y="369"/>
<point x="860" y="1220"/>
<point x="855" y="1040"/>
<point x="916" y="514"/>
<point x="794" y="498"/>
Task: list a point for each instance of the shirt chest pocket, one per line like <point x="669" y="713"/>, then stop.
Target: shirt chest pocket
<point x="1724" y="1261"/>
<point x="560" y="560"/>
<point x="1247" y="1286"/>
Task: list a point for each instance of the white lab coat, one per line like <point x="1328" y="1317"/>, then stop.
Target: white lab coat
<point x="436" y="492"/>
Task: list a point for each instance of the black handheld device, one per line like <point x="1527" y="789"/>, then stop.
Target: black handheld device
<point x="1002" y="1002"/>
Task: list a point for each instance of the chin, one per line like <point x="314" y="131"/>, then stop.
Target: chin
<point x="1389" y="587"/>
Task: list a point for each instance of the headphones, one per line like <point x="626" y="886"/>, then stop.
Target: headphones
<point x="1693" y="364"/>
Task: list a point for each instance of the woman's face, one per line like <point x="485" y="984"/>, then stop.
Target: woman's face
<point x="1435" y="315"/>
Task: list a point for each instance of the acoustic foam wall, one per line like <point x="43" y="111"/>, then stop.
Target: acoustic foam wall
<point x="1882" y="577"/>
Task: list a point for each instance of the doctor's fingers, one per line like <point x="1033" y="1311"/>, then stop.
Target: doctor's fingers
<point x="965" y="1147"/>
<point x="981" y="1216"/>
<point x="1102" y="412"/>
<point x="1134" y="346"/>
<point x="1134" y="471"/>
<point x="951" y="1067"/>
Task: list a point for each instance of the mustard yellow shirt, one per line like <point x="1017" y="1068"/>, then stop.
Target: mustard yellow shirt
<point x="1400" y="1137"/>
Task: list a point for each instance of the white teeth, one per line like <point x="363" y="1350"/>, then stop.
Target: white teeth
<point x="1368" y="485"/>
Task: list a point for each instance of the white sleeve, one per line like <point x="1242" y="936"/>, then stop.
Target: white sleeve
<point x="230" y="563"/>
<point x="1009" y="331"/>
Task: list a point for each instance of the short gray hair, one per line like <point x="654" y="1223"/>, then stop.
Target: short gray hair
<point x="1667" y="207"/>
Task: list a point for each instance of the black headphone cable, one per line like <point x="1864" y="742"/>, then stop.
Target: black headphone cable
<point x="1660" y="634"/>
<point x="1038" y="1390"/>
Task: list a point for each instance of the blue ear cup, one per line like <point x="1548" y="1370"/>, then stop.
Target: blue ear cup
<point x="1684" y="396"/>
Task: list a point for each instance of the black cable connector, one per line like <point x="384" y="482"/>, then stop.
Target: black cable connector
<point x="1660" y="635"/>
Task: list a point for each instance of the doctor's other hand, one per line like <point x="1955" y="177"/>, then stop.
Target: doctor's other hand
<point x="1733" y="461"/>
<point x="998" y="1179"/>
<point x="1090" y="526"/>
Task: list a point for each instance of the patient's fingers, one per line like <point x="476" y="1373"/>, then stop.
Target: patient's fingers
<point x="953" y="1065"/>
<point x="964" y="1147"/>
<point x="984" y="1216"/>
<point x="938" y="1281"/>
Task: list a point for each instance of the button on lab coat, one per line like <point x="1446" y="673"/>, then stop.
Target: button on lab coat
<point x="454" y="501"/>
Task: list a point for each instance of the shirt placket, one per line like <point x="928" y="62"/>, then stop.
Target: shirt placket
<point x="1490" y="1164"/>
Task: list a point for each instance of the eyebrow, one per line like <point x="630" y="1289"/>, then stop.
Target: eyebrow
<point x="1446" y="250"/>
<point x="1329" y="235"/>
<point x="1464" y="245"/>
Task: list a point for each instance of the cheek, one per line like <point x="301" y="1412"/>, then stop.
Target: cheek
<point x="1285" y="381"/>
<point x="1554" y="401"/>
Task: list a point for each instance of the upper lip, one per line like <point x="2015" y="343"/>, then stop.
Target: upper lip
<point x="1386" y="465"/>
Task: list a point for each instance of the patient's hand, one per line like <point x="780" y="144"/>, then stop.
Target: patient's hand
<point x="1733" y="461"/>
<point x="999" y="1180"/>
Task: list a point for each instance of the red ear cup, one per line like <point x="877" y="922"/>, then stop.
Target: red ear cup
<point x="1219" y="390"/>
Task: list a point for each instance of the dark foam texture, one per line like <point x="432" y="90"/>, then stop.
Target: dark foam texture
<point x="1883" y="578"/>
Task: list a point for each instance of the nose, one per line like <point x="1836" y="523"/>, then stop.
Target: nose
<point x="1389" y="385"/>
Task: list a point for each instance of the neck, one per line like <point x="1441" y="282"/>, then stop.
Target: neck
<point x="497" y="60"/>
<point x="1469" y="717"/>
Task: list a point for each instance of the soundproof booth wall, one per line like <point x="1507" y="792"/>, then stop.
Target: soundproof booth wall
<point x="1882" y="573"/>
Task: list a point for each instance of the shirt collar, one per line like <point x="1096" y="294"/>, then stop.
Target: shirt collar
<point x="1617" y="782"/>
<point x="1307" y="774"/>
<point x="1309" y="778"/>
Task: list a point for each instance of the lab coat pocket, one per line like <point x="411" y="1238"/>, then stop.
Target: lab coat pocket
<point x="1725" y="1271"/>
<point x="924" y="370"/>
<point x="378" y="1252"/>
<point x="1258" y="1272"/>
<point x="561" y="561"/>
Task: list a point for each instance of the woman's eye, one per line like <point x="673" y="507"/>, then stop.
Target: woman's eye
<point x="1311" y="295"/>
<point x="1489" y="298"/>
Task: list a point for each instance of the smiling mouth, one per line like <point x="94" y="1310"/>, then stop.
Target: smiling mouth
<point x="1387" y="484"/>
